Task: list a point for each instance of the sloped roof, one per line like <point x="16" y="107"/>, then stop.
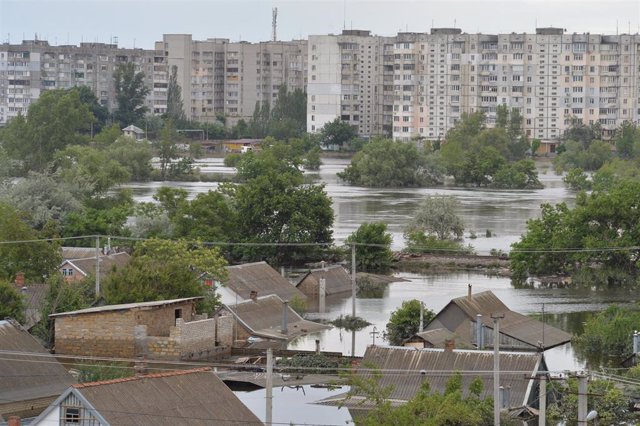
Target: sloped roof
<point x="27" y="377"/>
<point x="78" y="252"/>
<point x="34" y="295"/>
<point x="134" y="129"/>
<point x="514" y="324"/>
<point x="87" y="265"/>
<point x="379" y="278"/>
<point x="126" y="306"/>
<point x="188" y="397"/>
<point x="263" y="317"/>
<point x="336" y="277"/>
<point x="406" y="368"/>
<point x="262" y="278"/>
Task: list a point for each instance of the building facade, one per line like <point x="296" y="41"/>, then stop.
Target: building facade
<point x="223" y="78"/>
<point x="34" y="66"/>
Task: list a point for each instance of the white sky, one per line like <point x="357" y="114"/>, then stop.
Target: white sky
<point x="141" y="22"/>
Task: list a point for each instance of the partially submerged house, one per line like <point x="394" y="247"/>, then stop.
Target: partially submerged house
<point x="436" y="338"/>
<point x="165" y="329"/>
<point x="470" y="318"/>
<point x="30" y="377"/>
<point x="336" y="281"/>
<point x="256" y="277"/>
<point x="187" y="397"/>
<point x="405" y="369"/>
<point x="78" y="269"/>
<point x="266" y="317"/>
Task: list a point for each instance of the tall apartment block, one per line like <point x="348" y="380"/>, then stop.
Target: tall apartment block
<point x="30" y="68"/>
<point x="347" y="81"/>
<point x="219" y="77"/>
<point x="427" y="80"/>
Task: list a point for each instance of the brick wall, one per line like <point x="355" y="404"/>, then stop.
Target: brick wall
<point x="107" y="334"/>
<point x="224" y="325"/>
<point x="159" y="320"/>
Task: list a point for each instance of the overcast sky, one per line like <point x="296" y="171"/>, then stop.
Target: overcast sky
<point x="141" y="22"/>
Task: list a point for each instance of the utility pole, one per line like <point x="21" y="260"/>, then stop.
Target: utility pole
<point x="496" y="368"/>
<point x="97" y="266"/>
<point x="373" y="334"/>
<point x="421" y="326"/>
<point x="269" y="385"/>
<point x="353" y="294"/>
<point x="542" y="415"/>
<point x="582" y="399"/>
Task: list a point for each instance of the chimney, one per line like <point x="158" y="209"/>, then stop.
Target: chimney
<point x="449" y="345"/>
<point x="19" y="279"/>
<point x="285" y="317"/>
<point x="253" y="295"/>
<point x="469" y="291"/>
<point x="13" y="421"/>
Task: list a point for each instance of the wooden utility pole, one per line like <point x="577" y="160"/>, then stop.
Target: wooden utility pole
<point x="582" y="399"/>
<point x="353" y="295"/>
<point x="97" y="267"/>
<point x="269" y="386"/>
<point x="542" y="415"/>
<point x="496" y="368"/>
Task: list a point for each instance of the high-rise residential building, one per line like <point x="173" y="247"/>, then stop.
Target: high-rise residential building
<point x="429" y="79"/>
<point x="28" y="69"/>
<point x="223" y="78"/>
<point x="346" y="81"/>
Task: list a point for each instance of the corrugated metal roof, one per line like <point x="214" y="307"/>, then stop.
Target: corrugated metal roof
<point x="336" y="277"/>
<point x="192" y="397"/>
<point x="262" y="278"/>
<point x="26" y="377"/>
<point x="126" y="306"/>
<point x="514" y="324"/>
<point x="405" y="369"/>
<point x="78" y="252"/>
<point x="263" y="317"/>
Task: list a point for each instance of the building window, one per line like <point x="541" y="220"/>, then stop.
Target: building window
<point x="71" y="415"/>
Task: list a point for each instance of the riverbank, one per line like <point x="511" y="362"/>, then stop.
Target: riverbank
<point x="429" y="263"/>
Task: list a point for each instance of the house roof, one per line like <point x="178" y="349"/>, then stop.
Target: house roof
<point x="337" y="278"/>
<point x="187" y="397"/>
<point x="78" y="252"/>
<point x="126" y="306"/>
<point x="27" y="377"/>
<point x="378" y="278"/>
<point x="514" y="324"/>
<point x="406" y="368"/>
<point x="263" y="279"/>
<point x="438" y="336"/>
<point x="34" y="295"/>
<point x="134" y="129"/>
<point x="87" y="265"/>
<point x="263" y="317"/>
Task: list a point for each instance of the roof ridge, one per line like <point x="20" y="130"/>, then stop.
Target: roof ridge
<point x="146" y="376"/>
<point x="476" y="294"/>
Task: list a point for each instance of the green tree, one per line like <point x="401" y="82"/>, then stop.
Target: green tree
<point x="437" y="216"/>
<point x="259" y="124"/>
<point x="337" y="133"/>
<point x="387" y="163"/>
<point x="171" y="199"/>
<point x="91" y="168"/>
<point x="519" y="175"/>
<point x="133" y="156"/>
<point x="535" y="145"/>
<point x="100" y="215"/>
<point x="175" y="107"/>
<point x="405" y="321"/>
<point x="56" y="120"/>
<point x="131" y="93"/>
<point x="36" y="259"/>
<point x="627" y="140"/>
<point x="577" y="180"/>
<point x="207" y="217"/>
<point x="11" y="303"/>
<point x="289" y="115"/>
<point x="100" y="112"/>
<point x="164" y="269"/>
<point x="373" y="247"/>
<point x="107" y="136"/>
<point x="167" y="148"/>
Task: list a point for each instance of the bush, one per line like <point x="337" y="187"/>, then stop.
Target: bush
<point x="405" y="321"/>
<point x="231" y="160"/>
<point x="373" y="247"/>
<point x="369" y="289"/>
<point x="419" y="243"/>
<point x="350" y="323"/>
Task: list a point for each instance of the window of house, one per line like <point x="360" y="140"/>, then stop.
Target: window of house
<point x="71" y="415"/>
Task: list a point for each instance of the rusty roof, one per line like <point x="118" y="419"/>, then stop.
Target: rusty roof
<point x="514" y="324"/>
<point x="188" y="397"/>
<point x="337" y="278"/>
<point x="126" y="306"/>
<point x="26" y="377"/>
<point x="405" y="369"/>
<point x="263" y="317"/>
<point x="262" y="278"/>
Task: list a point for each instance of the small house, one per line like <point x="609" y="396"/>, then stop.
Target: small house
<point x="470" y="318"/>
<point x="165" y="329"/>
<point x="259" y="278"/>
<point x="241" y="145"/>
<point x="78" y="269"/>
<point x="266" y="317"/>
<point x="182" y="397"/>
<point x="133" y="132"/>
<point x="30" y="377"/>
<point x="404" y="369"/>
<point x="336" y="281"/>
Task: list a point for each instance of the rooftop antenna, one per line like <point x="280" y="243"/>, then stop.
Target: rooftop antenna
<point x="616" y="27"/>
<point x="344" y="15"/>
<point x="454" y="22"/>
<point x="274" y="23"/>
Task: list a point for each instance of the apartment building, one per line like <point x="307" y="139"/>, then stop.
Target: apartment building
<point x="219" y="77"/>
<point x="425" y="81"/>
<point x="34" y="66"/>
<point x="347" y="80"/>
